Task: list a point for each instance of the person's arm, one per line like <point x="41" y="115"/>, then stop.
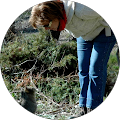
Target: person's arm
<point x="55" y="35"/>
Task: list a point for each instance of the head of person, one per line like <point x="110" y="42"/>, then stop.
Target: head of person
<point x="45" y="13"/>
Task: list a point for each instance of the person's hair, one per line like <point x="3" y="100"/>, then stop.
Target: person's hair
<point x="45" y="12"/>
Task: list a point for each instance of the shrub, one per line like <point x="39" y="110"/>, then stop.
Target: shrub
<point x="60" y="89"/>
<point x="34" y="47"/>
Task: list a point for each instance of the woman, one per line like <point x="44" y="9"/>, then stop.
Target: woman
<point x="95" y="41"/>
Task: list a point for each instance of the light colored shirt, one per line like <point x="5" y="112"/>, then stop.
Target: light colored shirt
<point x="83" y="21"/>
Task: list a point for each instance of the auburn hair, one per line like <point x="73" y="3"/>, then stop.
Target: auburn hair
<point x="45" y="12"/>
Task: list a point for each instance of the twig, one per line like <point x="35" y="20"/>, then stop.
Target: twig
<point x="31" y="80"/>
<point x="15" y="91"/>
<point x="13" y="81"/>
<point x="62" y="56"/>
<point x="71" y="76"/>
<point x="49" y="99"/>
<point x="40" y="93"/>
<point x="23" y="62"/>
<point x="33" y="67"/>
<point x="61" y="109"/>
<point x="39" y="55"/>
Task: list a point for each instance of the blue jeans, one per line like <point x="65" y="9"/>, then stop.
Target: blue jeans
<point x="92" y="64"/>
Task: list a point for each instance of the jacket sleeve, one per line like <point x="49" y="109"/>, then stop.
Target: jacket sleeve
<point x="84" y="12"/>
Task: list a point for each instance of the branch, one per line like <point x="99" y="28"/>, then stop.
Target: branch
<point x="23" y="62"/>
<point x="33" y="67"/>
<point x="49" y="99"/>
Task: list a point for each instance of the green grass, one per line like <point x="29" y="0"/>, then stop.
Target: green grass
<point x="112" y="67"/>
